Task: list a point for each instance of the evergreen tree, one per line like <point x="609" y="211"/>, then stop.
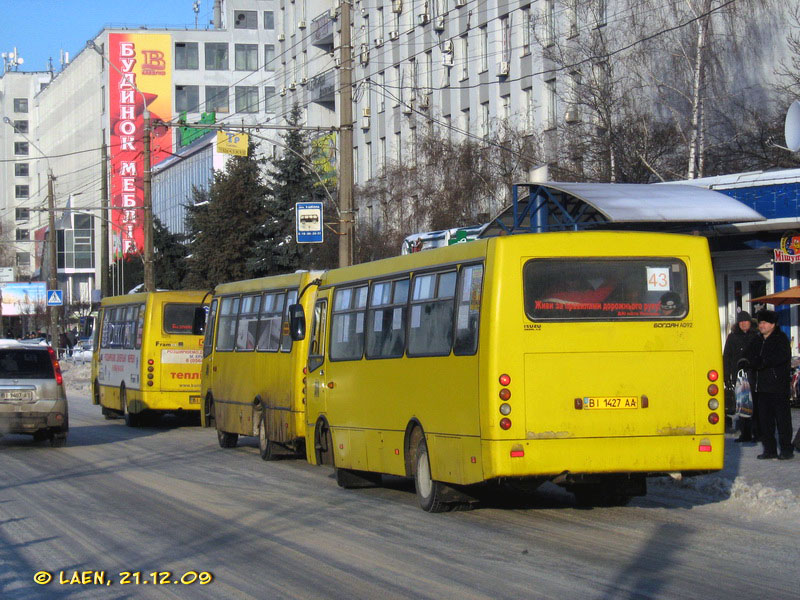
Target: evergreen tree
<point x="225" y="223"/>
<point x="170" y="257"/>
<point x="291" y="180"/>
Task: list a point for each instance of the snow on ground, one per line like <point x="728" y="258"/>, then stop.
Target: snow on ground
<point x="734" y="491"/>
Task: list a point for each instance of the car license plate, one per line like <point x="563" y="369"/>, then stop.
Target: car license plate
<point x="610" y="402"/>
<point x="26" y="395"/>
<point x="194" y="399"/>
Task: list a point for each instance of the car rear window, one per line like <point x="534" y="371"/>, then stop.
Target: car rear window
<point x="25" y="364"/>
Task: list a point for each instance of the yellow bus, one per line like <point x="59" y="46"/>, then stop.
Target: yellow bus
<point x="590" y="359"/>
<point x="146" y="355"/>
<point x="252" y="372"/>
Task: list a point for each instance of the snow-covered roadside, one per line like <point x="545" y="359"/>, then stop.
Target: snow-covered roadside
<point x="736" y="493"/>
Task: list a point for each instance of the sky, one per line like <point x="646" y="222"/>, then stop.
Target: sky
<point x="41" y="29"/>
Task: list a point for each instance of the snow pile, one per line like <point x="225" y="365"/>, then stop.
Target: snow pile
<point x="719" y="488"/>
<point x="77" y="376"/>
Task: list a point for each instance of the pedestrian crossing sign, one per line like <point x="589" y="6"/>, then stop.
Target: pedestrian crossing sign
<point x="55" y="297"/>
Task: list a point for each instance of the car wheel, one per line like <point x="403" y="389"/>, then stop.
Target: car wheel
<point x="58" y="440"/>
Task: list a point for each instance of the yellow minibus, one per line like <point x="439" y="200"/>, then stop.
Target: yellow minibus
<point x="590" y="359"/>
<point x="146" y="355"/>
<point x="252" y="372"/>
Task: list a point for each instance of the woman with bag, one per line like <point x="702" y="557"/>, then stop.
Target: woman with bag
<point x="735" y="344"/>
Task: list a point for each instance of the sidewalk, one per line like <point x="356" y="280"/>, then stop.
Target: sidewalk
<point x="741" y="464"/>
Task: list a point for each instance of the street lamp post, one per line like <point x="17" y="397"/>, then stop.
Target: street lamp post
<point x="52" y="280"/>
<point x="147" y="201"/>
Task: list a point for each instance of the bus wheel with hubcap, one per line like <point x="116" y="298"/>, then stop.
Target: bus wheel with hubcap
<point x="429" y="492"/>
<point x="266" y="447"/>
<point x="227" y="440"/>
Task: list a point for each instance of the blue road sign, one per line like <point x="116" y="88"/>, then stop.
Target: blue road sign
<point x="309" y="222"/>
<point x="55" y="298"/>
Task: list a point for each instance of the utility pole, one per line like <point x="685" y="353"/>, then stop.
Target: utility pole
<point x="346" y="212"/>
<point x="52" y="281"/>
<point x="147" y="206"/>
<point x="104" y="218"/>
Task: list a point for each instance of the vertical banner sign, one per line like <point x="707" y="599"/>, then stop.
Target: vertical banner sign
<point x="145" y="75"/>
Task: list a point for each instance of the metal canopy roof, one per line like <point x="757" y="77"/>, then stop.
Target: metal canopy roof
<point x="554" y="206"/>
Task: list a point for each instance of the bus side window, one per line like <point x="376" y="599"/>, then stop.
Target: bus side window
<point x="468" y="310"/>
<point x="347" y="326"/>
<point x="431" y="320"/>
<point x="286" y="338"/>
<point x="316" y="347"/>
<point x="209" y="339"/>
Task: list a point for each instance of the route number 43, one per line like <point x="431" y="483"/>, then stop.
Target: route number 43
<point x="657" y="279"/>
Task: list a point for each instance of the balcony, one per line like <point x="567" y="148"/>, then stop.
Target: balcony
<point x="322" y="30"/>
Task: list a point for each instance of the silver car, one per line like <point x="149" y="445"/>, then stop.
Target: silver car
<point x="32" y="396"/>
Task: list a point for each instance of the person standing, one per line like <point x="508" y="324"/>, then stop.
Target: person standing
<point x="737" y="341"/>
<point x="769" y="356"/>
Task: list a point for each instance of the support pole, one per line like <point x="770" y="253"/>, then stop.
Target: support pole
<point x="52" y="282"/>
<point x="104" y="218"/>
<point x="346" y="141"/>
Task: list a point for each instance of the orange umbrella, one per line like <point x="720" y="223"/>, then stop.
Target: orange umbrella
<point x="790" y="296"/>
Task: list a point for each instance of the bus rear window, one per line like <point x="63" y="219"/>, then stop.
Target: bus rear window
<point x="178" y="318"/>
<point x="605" y="289"/>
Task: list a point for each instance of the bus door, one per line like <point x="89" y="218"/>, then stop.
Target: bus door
<point x="317" y="383"/>
<point x="206" y="369"/>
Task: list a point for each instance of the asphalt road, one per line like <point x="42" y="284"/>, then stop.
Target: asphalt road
<point x="167" y="498"/>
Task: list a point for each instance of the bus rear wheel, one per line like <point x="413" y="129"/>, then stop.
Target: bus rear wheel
<point x="131" y="420"/>
<point x="227" y="440"/>
<point x="266" y="447"/>
<point x="430" y="493"/>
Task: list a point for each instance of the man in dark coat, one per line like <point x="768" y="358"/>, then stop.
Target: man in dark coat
<point x="737" y="341"/>
<point x="770" y="356"/>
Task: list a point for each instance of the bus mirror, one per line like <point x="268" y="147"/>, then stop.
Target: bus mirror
<point x="199" y="321"/>
<point x="297" y="322"/>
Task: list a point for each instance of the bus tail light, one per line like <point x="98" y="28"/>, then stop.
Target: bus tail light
<point x="713" y="375"/>
<point x="505" y="423"/>
<point x="713" y="389"/>
<point x="713" y="418"/>
<point x="505" y="394"/>
<point x="150" y="361"/>
<point x="704" y="448"/>
<point x="505" y="409"/>
<point x="713" y="404"/>
<point x="517" y="453"/>
<point x="505" y="379"/>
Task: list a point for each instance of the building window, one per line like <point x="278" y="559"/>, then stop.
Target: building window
<point x="464" y="57"/>
<point x="21" y="126"/>
<point x="21" y="148"/>
<point x="217" y="99"/>
<point x="601" y="12"/>
<point x="23" y="259"/>
<point x="549" y="22"/>
<point x="76" y="246"/>
<point x="505" y="28"/>
<point x="485" y="120"/>
<point x="529" y="109"/>
<point x="551" y="100"/>
<point x="270" y="99"/>
<point x="21" y="191"/>
<point x="21" y="105"/>
<point x="465" y="121"/>
<point x="527" y="25"/>
<point x="381" y="91"/>
<point x="484" y="48"/>
<point x="269" y="57"/>
<point x="22" y="169"/>
<point x="245" y="19"/>
<point x="22" y="214"/>
<point x="269" y="19"/>
<point x="186" y="56"/>
<point x="23" y="235"/>
<point x="246" y="57"/>
<point x="187" y="98"/>
<point x="216" y="56"/>
<point x="246" y="99"/>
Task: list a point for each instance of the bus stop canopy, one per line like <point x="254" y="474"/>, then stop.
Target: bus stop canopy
<point x="555" y="206"/>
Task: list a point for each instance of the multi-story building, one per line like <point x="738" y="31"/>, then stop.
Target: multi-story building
<point x="91" y="108"/>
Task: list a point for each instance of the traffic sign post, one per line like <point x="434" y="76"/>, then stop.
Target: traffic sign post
<point x="308" y="222"/>
<point x="55" y="298"/>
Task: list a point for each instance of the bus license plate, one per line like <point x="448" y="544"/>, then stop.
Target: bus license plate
<point x="194" y="399"/>
<point x="610" y="402"/>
